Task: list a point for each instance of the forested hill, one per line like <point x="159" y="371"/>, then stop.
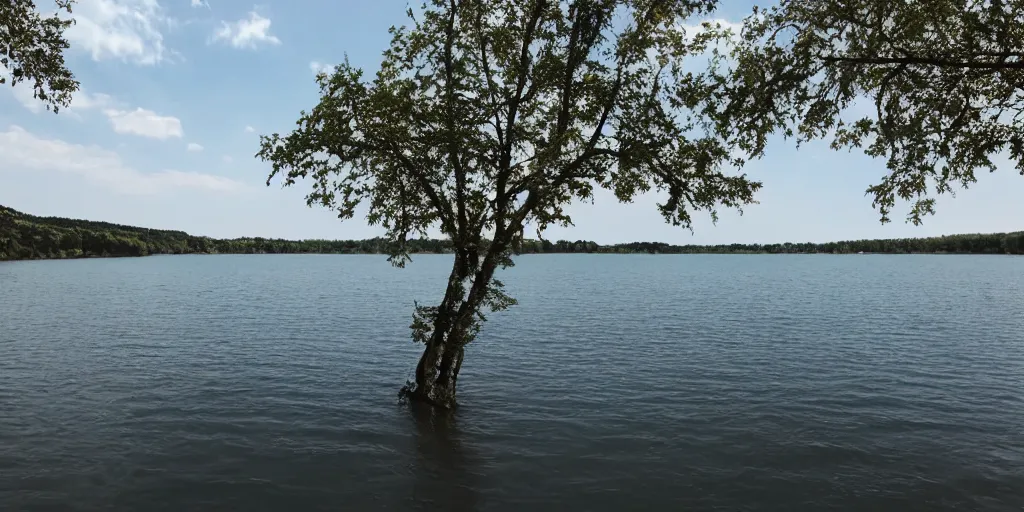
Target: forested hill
<point x="24" y="236"/>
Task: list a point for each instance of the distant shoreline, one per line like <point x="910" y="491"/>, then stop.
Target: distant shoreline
<point x="27" y="237"/>
<point x="11" y="260"/>
<point x="414" y="255"/>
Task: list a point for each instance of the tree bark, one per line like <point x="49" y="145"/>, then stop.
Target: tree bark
<point x="448" y="374"/>
<point x="438" y="367"/>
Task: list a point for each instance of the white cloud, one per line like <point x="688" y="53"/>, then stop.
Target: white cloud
<point x="249" y="129"/>
<point x="145" y="123"/>
<point x="247" y="32"/>
<point x="200" y="3"/>
<point x="140" y="121"/>
<point x="127" y="30"/>
<point x="24" y="93"/>
<point x="693" y="30"/>
<point x="689" y="33"/>
<point x="320" y="67"/>
<point x="25" y="151"/>
<point x="735" y="29"/>
<point x="80" y="101"/>
<point x="84" y="101"/>
<point x="192" y="146"/>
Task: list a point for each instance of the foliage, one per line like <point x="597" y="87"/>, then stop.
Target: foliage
<point x="945" y="77"/>
<point x="994" y="243"/>
<point x="31" y="49"/>
<point x="488" y="117"/>
<point x="25" y="236"/>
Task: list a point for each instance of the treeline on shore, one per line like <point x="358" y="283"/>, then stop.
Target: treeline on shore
<point x="24" y="236"/>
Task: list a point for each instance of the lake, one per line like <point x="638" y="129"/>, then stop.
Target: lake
<point x="632" y="382"/>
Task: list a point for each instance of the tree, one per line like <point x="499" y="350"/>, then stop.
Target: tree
<point x="946" y="78"/>
<point x="489" y="117"/>
<point x="32" y="49"/>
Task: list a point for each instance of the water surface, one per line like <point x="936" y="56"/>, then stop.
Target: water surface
<point x="692" y="382"/>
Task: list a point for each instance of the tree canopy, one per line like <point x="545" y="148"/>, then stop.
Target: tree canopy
<point x="933" y="87"/>
<point x="32" y="50"/>
<point x="488" y="117"/>
<point x="485" y="117"/>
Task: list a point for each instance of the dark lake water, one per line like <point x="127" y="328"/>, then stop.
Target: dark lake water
<point x="868" y="383"/>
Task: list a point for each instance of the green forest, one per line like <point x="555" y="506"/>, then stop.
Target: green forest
<point x="24" y="236"/>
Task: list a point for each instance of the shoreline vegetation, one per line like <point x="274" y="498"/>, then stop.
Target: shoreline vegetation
<point x="28" y="237"/>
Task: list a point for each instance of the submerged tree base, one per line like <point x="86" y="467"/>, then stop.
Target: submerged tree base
<point x="411" y="393"/>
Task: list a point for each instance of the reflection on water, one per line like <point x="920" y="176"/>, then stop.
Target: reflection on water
<point x="446" y="470"/>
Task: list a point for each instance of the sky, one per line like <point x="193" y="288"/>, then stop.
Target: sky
<point x="175" y="94"/>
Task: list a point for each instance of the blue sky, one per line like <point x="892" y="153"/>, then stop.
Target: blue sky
<point x="175" y="93"/>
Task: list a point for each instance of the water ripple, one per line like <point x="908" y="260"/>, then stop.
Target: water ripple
<point x="740" y="383"/>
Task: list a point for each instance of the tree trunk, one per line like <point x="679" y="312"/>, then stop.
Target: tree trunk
<point x="439" y="364"/>
<point x="448" y="373"/>
<point x="438" y="370"/>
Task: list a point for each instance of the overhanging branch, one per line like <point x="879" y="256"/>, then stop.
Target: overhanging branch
<point x="932" y="61"/>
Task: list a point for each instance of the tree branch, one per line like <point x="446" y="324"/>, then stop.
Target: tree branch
<point x="489" y="77"/>
<point x="927" y="61"/>
<point x="453" y="146"/>
<point x="440" y="203"/>
<point x="506" y="156"/>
